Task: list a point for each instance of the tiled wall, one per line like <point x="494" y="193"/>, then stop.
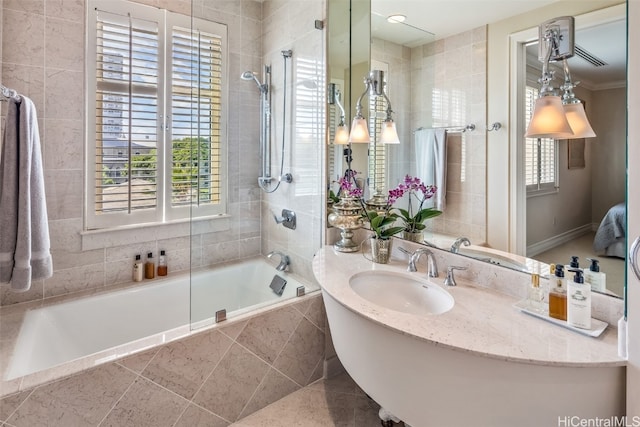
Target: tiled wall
<point x="43" y="58"/>
<point x="448" y="81"/>
<point x="212" y="378"/>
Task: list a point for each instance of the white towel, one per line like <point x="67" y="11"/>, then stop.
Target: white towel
<point x="431" y="162"/>
<point x="24" y="229"/>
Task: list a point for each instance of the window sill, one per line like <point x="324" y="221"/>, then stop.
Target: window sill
<point x="543" y="192"/>
<point x="119" y="236"/>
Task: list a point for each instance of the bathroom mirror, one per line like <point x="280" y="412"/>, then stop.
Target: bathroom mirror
<point x="423" y="78"/>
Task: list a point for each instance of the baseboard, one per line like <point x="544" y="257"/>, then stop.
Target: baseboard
<point x="552" y="242"/>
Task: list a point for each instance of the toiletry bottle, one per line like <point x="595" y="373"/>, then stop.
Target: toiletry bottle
<point x="574" y="264"/>
<point x="535" y="294"/>
<point x="162" y="264"/>
<point x="149" y="267"/>
<point x="137" y="269"/>
<point x="579" y="302"/>
<point x="558" y="294"/>
<point x="594" y="277"/>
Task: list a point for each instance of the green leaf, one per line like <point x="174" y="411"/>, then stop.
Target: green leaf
<point x="390" y="232"/>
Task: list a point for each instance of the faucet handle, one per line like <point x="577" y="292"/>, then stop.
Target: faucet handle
<point x="450" y="280"/>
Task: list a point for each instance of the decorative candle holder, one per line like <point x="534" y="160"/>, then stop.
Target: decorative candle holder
<point x="347" y="216"/>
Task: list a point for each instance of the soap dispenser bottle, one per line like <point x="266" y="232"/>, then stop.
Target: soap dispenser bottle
<point x="558" y="294"/>
<point x="574" y="264"/>
<point x="579" y="302"/>
<point x="535" y="295"/>
<point x="594" y="277"/>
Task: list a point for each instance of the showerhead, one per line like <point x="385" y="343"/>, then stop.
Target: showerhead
<point x="250" y="75"/>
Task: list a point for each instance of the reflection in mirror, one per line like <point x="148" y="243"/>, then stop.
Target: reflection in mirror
<point x="582" y="189"/>
<point x="442" y="82"/>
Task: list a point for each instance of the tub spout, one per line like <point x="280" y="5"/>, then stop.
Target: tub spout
<point x="284" y="260"/>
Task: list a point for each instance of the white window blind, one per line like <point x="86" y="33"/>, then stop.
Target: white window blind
<point x="155" y="133"/>
<point x="540" y="153"/>
<point x="377" y="150"/>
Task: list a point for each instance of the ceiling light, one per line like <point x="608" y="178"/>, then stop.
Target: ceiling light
<point x="396" y="19"/>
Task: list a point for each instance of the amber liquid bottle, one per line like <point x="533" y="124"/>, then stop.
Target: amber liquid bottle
<point x="558" y="295"/>
<point x="162" y="264"/>
<point x="149" y="267"/>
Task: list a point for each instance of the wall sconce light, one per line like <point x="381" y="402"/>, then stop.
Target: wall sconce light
<point x="553" y="116"/>
<point x="341" y="136"/>
<point x="374" y="84"/>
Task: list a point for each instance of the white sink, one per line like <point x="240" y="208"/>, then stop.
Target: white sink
<point x="401" y="292"/>
<point x="494" y="258"/>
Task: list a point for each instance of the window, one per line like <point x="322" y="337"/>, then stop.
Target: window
<point x="377" y="167"/>
<point x="156" y="137"/>
<point x="540" y="154"/>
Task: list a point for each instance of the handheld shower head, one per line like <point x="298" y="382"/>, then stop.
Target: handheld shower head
<point x="250" y="75"/>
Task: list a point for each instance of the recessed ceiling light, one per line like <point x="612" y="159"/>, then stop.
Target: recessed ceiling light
<point x="396" y="19"/>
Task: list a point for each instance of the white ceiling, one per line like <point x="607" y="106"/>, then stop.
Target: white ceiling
<point x="429" y="20"/>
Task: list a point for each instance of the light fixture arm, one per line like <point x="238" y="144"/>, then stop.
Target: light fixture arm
<point x="568" y="97"/>
<point x="367" y="82"/>
<point x="547" y="74"/>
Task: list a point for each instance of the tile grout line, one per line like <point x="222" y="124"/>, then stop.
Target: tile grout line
<point x="119" y="399"/>
<point x="19" y="406"/>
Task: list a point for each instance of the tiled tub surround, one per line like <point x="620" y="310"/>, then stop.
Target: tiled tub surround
<point x="480" y="340"/>
<point x="58" y="338"/>
<point x="211" y="378"/>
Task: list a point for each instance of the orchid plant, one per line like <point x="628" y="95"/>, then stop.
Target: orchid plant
<point x="348" y="187"/>
<point x="381" y="221"/>
<point x="415" y="189"/>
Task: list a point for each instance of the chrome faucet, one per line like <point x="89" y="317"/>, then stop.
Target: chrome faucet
<point x="456" y="245"/>
<point x="284" y="260"/>
<point x="432" y="267"/>
<point x="450" y="280"/>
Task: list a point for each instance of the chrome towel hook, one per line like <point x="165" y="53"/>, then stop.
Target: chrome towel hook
<point x="494" y="126"/>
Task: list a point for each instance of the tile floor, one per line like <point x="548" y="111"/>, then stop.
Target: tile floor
<point x="327" y="402"/>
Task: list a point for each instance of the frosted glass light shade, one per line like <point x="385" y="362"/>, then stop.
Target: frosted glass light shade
<point x="359" y="131"/>
<point x="578" y="121"/>
<point x="549" y="119"/>
<point x="342" y="135"/>
<point x="388" y="133"/>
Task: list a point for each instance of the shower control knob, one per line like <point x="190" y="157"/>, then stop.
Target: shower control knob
<point x="287" y="177"/>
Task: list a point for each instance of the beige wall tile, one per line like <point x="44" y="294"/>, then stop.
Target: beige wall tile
<point x="27" y="80"/>
<point x="81" y="400"/>
<point x="64" y="94"/>
<point x="267" y="334"/>
<point x="64" y="193"/>
<point x="63" y="144"/>
<point x="302" y="353"/>
<point x="183" y="366"/>
<point x="146" y="404"/>
<point x="64" y="44"/>
<point x="69" y="10"/>
<point x="274" y="387"/>
<point x="195" y="416"/>
<point x="75" y="279"/>
<point x="31" y="6"/>
<point x="232" y="383"/>
<point x="26" y="44"/>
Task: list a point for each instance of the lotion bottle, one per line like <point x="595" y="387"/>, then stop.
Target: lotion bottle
<point x="558" y="294"/>
<point x="579" y="302"/>
<point x="137" y="269"/>
<point x="594" y="277"/>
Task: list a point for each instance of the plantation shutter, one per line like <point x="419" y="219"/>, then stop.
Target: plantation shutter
<point x="540" y="154"/>
<point x="377" y="150"/>
<point x="125" y="151"/>
<point x="196" y="88"/>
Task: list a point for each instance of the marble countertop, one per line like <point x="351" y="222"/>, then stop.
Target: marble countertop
<point x="482" y="321"/>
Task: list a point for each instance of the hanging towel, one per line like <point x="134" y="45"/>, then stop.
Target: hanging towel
<point x="24" y="230"/>
<point x="431" y="162"/>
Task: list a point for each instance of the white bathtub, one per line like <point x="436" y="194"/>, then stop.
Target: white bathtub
<point x="104" y="327"/>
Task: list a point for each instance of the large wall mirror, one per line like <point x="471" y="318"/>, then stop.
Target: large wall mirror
<point x="450" y="67"/>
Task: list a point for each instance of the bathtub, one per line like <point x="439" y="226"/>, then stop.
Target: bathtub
<point x="78" y="334"/>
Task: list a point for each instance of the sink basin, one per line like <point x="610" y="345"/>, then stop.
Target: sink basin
<point x="493" y="258"/>
<point x="401" y="292"/>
